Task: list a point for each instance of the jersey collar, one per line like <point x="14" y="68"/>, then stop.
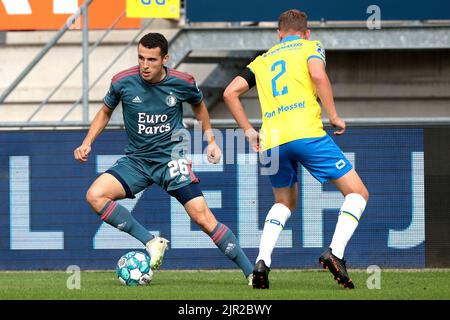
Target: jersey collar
<point x="290" y="38"/>
<point x="156" y="83"/>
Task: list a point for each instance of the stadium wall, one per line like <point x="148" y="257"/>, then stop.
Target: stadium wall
<point x="45" y="222"/>
<point x="254" y="10"/>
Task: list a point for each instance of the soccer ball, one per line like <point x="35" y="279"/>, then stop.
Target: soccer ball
<point x="133" y="269"/>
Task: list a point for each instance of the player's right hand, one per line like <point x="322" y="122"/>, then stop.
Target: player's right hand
<point x="253" y="139"/>
<point x="81" y="153"/>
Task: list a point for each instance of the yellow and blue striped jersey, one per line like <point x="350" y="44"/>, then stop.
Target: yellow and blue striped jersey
<point x="287" y="95"/>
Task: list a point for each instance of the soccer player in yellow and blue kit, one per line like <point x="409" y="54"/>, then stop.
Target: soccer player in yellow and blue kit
<point x="289" y="77"/>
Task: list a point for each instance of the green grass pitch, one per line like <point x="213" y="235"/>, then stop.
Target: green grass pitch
<point x="427" y="284"/>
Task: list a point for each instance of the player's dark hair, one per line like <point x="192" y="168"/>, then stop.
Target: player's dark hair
<point x="155" y="40"/>
<point x="293" y="20"/>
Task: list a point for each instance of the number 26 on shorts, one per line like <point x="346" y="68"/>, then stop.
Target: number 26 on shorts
<point x="178" y="167"/>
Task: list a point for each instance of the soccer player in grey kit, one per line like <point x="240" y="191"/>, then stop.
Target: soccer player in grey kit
<point x="152" y="96"/>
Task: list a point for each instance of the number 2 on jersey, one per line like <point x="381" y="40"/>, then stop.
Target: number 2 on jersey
<point x="282" y="64"/>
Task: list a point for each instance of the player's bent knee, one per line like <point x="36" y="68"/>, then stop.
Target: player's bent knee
<point x="95" y="198"/>
<point x="91" y="196"/>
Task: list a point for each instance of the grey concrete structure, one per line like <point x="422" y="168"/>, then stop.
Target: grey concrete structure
<point x="400" y="71"/>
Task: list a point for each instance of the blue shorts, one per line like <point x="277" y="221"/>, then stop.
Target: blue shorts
<point x="320" y="156"/>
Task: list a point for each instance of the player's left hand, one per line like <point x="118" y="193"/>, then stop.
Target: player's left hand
<point x="253" y="139"/>
<point x="338" y="123"/>
<point x="213" y="153"/>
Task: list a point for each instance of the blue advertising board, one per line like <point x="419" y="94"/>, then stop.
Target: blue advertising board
<point x="359" y="10"/>
<point x="45" y="222"/>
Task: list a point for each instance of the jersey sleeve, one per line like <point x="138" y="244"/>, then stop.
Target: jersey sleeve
<point x="193" y="95"/>
<point x="252" y="66"/>
<point x="315" y="50"/>
<point x="249" y="76"/>
<point x="112" y="98"/>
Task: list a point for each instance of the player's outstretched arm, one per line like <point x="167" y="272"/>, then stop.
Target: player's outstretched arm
<point x="201" y="113"/>
<point x="98" y="124"/>
<point x="231" y="96"/>
<point x="323" y="86"/>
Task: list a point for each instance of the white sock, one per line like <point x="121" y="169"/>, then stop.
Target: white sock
<point x="275" y="222"/>
<point x="348" y="220"/>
